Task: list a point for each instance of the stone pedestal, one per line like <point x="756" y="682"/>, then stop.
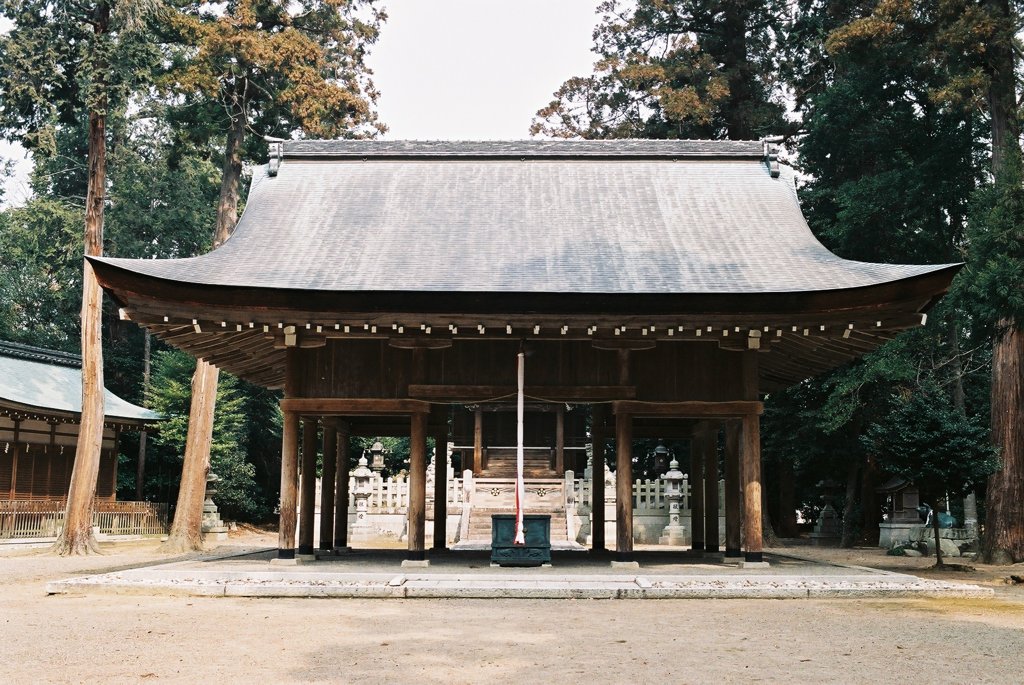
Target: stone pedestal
<point x="213" y="527"/>
<point x="361" y="531"/>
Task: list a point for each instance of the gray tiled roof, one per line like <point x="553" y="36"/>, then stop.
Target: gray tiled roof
<point x="551" y="221"/>
<point x="50" y="381"/>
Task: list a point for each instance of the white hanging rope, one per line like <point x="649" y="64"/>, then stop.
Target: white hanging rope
<point x="520" y="538"/>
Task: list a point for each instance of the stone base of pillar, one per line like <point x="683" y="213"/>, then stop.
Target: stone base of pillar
<point x="415" y="563"/>
<point x="342" y="550"/>
<point x="754" y="564"/>
<point x="625" y="564"/>
<point x="305" y="557"/>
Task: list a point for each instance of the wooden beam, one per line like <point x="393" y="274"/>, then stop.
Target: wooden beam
<point x="339" y="406"/>
<point x="341" y="493"/>
<point x="597" y="541"/>
<point x="558" y="393"/>
<point x="623" y="486"/>
<point x="732" y="489"/>
<point x="330" y="456"/>
<point x="289" y="485"/>
<point x="417" y="487"/>
<point x="308" y="485"/>
<point x="690" y="409"/>
<point x="751" y="473"/>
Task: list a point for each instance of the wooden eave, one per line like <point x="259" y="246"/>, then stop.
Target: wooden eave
<point x="246" y="330"/>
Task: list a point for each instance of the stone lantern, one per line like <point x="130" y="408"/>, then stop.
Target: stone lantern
<point x="675" y="532"/>
<point x="361" y="490"/>
<point x="377" y="454"/>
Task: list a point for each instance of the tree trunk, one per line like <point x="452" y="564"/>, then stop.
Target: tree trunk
<point x="76" y="537"/>
<point x="738" y="70"/>
<point x="186" y="532"/>
<point x="935" y="531"/>
<point x="1004" y="520"/>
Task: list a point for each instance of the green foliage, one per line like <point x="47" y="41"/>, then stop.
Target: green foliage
<point x="994" y="277"/>
<point x="681" y="69"/>
<point x="170" y="393"/>
<point x="923" y="439"/>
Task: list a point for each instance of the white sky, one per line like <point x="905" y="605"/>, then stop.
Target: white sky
<point x="461" y="69"/>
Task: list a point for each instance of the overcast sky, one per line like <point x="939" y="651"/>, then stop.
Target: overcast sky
<point x="463" y="69"/>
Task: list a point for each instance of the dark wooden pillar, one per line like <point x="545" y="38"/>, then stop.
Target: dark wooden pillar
<point x="623" y="486"/>
<point x="751" y="455"/>
<point x="478" y="441"/>
<point x="289" y="483"/>
<point x="697" y="491"/>
<point x="560" y="439"/>
<point x="417" y="487"/>
<point x="732" y="489"/>
<point x="341" y="492"/>
<point x="441" y="490"/>
<point x="15" y="453"/>
<point x="711" y="490"/>
<point x="597" y="542"/>
<point x="307" y="505"/>
<point x="327" y="486"/>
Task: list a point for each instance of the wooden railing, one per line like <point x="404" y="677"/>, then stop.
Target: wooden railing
<point x="23" y="519"/>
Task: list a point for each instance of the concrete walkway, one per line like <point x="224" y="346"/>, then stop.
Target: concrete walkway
<point x="379" y="573"/>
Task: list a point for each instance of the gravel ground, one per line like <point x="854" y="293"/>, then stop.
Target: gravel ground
<point x="97" y="638"/>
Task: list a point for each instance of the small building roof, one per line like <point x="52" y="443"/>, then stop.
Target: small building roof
<point x="37" y="381"/>
<point x="590" y="217"/>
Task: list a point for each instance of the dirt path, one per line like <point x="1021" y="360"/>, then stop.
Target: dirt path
<point x="165" y="639"/>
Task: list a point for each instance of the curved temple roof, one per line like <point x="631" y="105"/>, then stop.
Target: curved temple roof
<point x="609" y="217"/>
<point x="43" y="381"/>
<point x="572" y="239"/>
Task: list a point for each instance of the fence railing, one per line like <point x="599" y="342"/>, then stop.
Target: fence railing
<point x="23" y="519"/>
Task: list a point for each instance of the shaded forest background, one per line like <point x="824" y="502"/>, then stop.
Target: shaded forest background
<point x="900" y="116"/>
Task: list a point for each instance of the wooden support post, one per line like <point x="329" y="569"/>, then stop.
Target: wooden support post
<point x="751" y="453"/>
<point x="441" y="490"/>
<point x="15" y="453"/>
<point x="341" y="492"/>
<point x="732" y="489"/>
<point x="417" y="487"/>
<point x="478" y="441"/>
<point x="697" y="492"/>
<point x="307" y="505"/>
<point x="597" y="543"/>
<point x="624" y="487"/>
<point x="289" y="483"/>
<point x="327" y="486"/>
<point x="711" y="491"/>
<point x="560" y="440"/>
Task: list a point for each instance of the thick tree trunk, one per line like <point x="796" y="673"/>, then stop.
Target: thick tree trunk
<point x="1004" y="520"/>
<point x="186" y="532"/>
<point x="76" y="537"/>
<point x="739" y="71"/>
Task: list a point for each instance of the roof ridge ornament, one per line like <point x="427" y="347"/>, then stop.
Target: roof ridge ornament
<point x="771" y="155"/>
<point x="276" y="153"/>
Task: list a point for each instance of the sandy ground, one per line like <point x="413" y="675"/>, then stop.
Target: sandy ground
<point x="226" y="640"/>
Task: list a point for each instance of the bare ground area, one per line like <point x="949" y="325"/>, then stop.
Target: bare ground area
<point x="132" y="638"/>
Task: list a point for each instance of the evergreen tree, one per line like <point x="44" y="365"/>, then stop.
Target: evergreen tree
<point x="676" y="69"/>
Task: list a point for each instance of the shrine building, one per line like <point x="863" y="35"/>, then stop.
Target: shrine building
<point x="658" y="288"/>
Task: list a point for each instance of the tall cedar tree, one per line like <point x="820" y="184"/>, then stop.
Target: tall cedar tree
<point x="974" y="41"/>
<point x="61" y="60"/>
<point x="276" y="67"/>
<point x="676" y="69"/>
